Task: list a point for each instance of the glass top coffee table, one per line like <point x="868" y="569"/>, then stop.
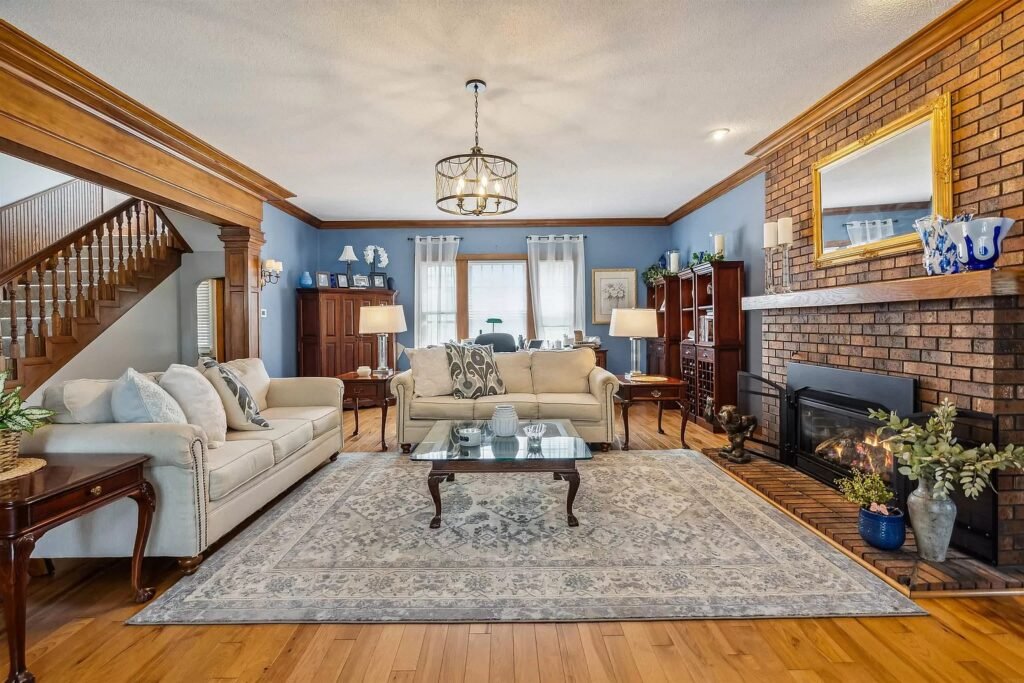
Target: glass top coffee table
<point x="556" y="451"/>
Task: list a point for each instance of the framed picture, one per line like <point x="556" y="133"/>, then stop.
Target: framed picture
<point x="611" y="288"/>
<point x="340" y="280"/>
<point x="360" y="281"/>
<point x="379" y="281"/>
<point x="323" y="280"/>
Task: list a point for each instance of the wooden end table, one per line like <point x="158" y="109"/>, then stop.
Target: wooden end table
<point x="369" y="391"/>
<point x="68" y="487"/>
<point x="672" y="390"/>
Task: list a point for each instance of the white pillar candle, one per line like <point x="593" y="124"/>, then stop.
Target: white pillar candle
<point x="673" y="261"/>
<point x="785" y="231"/>
<point x="771" y="235"/>
<point x="720" y="244"/>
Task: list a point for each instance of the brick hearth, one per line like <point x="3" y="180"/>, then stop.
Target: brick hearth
<point x="969" y="350"/>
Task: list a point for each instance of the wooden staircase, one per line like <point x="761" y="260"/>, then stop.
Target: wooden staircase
<point x="57" y="301"/>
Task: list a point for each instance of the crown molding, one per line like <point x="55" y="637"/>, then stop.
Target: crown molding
<point x="296" y="211"/>
<point x="717" y="190"/>
<point x="59" y="75"/>
<point x="958" y="20"/>
<point x="497" y="223"/>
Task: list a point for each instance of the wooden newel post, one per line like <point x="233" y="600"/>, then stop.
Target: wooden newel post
<point x="241" y="291"/>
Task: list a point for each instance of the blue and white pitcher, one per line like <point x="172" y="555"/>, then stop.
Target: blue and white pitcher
<point x="940" y="249"/>
<point x="978" y="241"/>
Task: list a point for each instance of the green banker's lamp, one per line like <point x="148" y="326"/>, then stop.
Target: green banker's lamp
<point x="493" y="322"/>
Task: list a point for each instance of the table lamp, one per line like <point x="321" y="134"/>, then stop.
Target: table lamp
<point x="637" y="324"/>
<point x="493" y="322"/>
<point x="348" y="255"/>
<point x="382" y="321"/>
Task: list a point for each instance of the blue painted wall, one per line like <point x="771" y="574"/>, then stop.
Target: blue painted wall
<point x="606" y="247"/>
<point x="294" y="243"/>
<point x="739" y="215"/>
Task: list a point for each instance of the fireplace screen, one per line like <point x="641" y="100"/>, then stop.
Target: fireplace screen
<point x="843" y="440"/>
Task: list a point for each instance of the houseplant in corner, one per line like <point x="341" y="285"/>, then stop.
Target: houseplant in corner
<point x="930" y="455"/>
<point x="15" y="419"/>
<point x="880" y="524"/>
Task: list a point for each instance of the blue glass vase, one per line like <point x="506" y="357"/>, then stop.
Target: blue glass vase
<point x="306" y="280"/>
<point x="885" y="532"/>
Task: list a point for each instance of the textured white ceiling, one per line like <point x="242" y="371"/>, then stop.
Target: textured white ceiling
<point x="605" y="104"/>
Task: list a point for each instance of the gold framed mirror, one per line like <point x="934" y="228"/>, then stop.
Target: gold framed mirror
<point x="868" y="194"/>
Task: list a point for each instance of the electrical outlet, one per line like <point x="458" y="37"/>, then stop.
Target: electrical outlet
<point x="263" y="313"/>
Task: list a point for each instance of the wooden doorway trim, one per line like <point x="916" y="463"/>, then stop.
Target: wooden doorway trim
<point x="462" y="291"/>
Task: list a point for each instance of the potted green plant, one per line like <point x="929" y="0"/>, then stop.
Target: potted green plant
<point x="880" y="524"/>
<point x="930" y="455"/>
<point x="15" y="419"/>
<point x="654" y="272"/>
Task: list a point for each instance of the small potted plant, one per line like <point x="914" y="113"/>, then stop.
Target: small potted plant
<point x="930" y="455"/>
<point x="15" y="419"/>
<point x="880" y="524"/>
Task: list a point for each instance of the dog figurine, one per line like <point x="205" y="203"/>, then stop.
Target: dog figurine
<point x="738" y="428"/>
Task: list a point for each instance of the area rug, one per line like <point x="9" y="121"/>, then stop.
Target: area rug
<point x="662" y="535"/>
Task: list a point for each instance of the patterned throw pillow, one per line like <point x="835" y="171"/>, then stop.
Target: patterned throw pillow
<point x="240" y="407"/>
<point x="474" y="373"/>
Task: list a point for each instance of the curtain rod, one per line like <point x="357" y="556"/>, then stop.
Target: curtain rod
<point x="557" y="237"/>
<point x="435" y="237"/>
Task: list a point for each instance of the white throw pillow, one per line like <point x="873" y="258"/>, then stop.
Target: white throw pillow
<point x="243" y="413"/>
<point x="198" y="400"/>
<point x="136" y="398"/>
<point x="80" y="401"/>
<point x="254" y="376"/>
<point x="430" y="375"/>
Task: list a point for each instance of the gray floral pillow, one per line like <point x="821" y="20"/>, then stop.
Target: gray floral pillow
<point x="473" y="371"/>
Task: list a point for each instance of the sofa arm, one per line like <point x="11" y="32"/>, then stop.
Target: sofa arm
<point x="294" y="392"/>
<point x="177" y="445"/>
<point x="600" y="381"/>
<point x="401" y="385"/>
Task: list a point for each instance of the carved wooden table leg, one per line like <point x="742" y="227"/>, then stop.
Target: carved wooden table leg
<point x="574" y="484"/>
<point x="661" y="410"/>
<point x="625" y="424"/>
<point x="433" y="481"/>
<point x="355" y="411"/>
<point x="383" y="425"/>
<point x="145" y="498"/>
<point x="14" y="577"/>
<point x="684" y="409"/>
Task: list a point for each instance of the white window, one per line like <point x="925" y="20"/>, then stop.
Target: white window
<point x="556" y="280"/>
<point x="497" y="289"/>
<point x="436" y="319"/>
<point x="206" y="319"/>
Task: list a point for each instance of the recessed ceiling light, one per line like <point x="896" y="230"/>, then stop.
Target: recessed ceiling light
<point x="719" y="134"/>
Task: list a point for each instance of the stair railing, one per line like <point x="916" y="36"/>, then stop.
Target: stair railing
<point x="35" y="222"/>
<point x="44" y="295"/>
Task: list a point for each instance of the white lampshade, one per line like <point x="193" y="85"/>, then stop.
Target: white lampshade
<point x="381" y="319"/>
<point x="273" y="266"/>
<point x="348" y="254"/>
<point x="634" y="322"/>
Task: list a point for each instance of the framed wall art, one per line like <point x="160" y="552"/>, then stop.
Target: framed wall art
<point x="611" y="288"/>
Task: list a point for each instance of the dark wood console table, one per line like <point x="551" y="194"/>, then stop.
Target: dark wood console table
<point x="672" y="390"/>
<point x="369" y="391"/>
<point x="68" y="487"/>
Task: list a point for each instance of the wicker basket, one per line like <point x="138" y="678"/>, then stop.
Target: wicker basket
<point x="9" y="443"/>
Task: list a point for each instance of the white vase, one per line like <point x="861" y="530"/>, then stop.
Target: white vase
<point x="505" y="421"/>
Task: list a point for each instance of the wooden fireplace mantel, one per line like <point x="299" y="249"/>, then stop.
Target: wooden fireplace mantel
<point x="995" y="282"/>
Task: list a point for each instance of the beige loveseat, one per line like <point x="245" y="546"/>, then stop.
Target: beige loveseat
<point x="202" y="493"/>
<point x="540" y="384"/>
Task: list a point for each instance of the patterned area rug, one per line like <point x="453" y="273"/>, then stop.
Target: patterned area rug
<point x="662" y="535"/>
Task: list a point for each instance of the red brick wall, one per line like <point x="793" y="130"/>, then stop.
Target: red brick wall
<point x="969" y="350"/>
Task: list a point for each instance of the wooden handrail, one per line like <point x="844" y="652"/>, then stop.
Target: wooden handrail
<point x="39" y="194"/>
<point x="55" y="248"/>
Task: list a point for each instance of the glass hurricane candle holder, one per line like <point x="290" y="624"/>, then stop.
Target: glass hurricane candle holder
<point x="786" y="285"/>
<point x="769" y="276"/>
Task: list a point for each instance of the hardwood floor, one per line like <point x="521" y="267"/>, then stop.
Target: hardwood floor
<point x="76" y="633"/>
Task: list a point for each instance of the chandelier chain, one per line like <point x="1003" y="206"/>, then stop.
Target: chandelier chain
<point x="476" y="115"/>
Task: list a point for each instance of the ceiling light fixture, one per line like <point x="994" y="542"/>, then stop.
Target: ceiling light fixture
<point x="476" y="184"/>
<point x="719" y="134"/>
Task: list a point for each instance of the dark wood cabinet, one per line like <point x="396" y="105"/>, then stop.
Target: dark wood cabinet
<point x="712" y="333"/>
<point x="329" y="341"/>
<point x="663" y="350"/>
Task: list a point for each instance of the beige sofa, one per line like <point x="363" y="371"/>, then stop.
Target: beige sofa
<point x="540" y="384"/>
<point x="201" y="493"/>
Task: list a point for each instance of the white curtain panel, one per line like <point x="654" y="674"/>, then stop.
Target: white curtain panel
<point x="435" y="304"/>
<point x="557" y="284"/>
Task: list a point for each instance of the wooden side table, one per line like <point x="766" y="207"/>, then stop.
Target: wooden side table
<point x="672" y="390"/>
<point x="68" y="487"/>
<point x="369" y="391"/>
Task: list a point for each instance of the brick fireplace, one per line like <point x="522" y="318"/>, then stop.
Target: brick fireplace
<point x="970" y="350"/>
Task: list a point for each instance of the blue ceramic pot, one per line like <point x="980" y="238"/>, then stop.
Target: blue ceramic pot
<point x="978" y="241"/>
<point x="885" y="532"/>
<point x="306" y="281"/>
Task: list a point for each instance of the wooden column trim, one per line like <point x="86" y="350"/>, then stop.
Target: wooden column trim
<point x="241" y="291"/>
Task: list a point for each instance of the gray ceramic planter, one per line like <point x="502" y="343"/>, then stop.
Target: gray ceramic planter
<point x="932" y="519"/>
